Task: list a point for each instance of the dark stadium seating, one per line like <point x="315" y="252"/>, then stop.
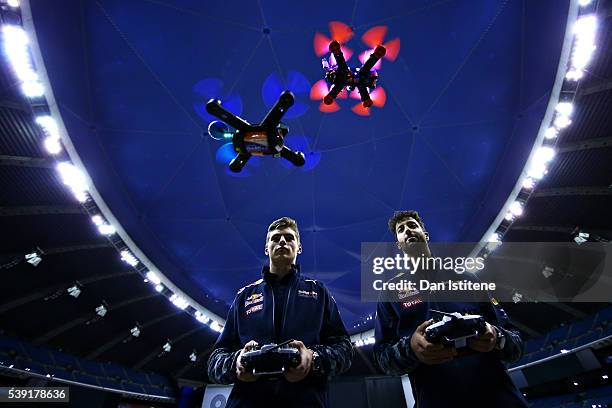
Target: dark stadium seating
<point x="587" y="399"/>
<point x="579" y="333"/>
<point x="24" y="356"/>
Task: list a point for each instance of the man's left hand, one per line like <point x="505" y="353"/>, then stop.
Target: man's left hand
<point x="484" y="342"/>
<point x="301" y="371"/>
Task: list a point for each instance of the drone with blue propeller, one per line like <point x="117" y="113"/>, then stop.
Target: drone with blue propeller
<point x="261" y="139"/>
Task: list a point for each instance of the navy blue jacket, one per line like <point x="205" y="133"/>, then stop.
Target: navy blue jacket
<point x="310" y="315"/>
<point x="477" y="379"/>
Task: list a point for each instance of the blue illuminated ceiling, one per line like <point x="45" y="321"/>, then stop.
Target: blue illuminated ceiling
<point x="465" y="98"/>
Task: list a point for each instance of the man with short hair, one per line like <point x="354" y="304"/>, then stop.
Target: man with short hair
<point x="439" y="375"/>
<point x="282" y="305"/>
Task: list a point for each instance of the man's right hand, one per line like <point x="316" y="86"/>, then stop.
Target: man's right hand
<point x="427" y="352"/>
<point x="241" y="373"/>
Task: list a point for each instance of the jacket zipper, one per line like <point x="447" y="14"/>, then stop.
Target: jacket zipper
<point x="287" y="305"/>
<point x="273" y="313"/>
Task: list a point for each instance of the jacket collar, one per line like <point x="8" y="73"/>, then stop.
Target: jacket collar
<point x="270" y="277"/>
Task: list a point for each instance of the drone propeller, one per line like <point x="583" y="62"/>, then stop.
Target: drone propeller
<point x="347" y="52"/>
<point x="319" y="90"/>
<point x="300" y="143"/>
<point x="213" y="88"/>
<point x="320" y="44"/>
<point x="393" y="48"/>
<point x="376" y="35"/>
<point x="333" y="107"/>
<point x="299" y="85"/>
<point x="378" y="97"/>
<point x="361" y="110"/>
<point x="225" y="153"/>
<point x="363" y="57"/>
<point x="339" y="32"/>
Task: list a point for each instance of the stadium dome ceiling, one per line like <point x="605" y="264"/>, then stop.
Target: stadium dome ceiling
<point x="465" y="97"/>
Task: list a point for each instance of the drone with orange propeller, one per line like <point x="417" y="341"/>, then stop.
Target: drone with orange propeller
<point x="356" y="83"/>
<point x="340" y="76"/>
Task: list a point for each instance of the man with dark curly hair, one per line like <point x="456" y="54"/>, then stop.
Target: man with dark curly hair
<point x="443" y="376"/>
<point x="283" y="305"/>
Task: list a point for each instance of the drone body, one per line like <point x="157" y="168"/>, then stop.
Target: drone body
<point x="265" y="138"/>
<point x="341" y="76"/>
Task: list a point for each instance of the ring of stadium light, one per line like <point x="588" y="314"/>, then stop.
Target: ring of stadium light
<point x="577" y="51"/>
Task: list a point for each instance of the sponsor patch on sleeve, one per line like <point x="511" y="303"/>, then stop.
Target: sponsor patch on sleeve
<point x="402" y="294"/>
<point x="308" y="293"/>
<point x="253" y="309"/>
<point x="409" y="303"/>
<point x="254" y="298"/>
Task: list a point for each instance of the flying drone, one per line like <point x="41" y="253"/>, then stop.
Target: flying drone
<point x="340" y="75"/>
<point x="265" y="138"/>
